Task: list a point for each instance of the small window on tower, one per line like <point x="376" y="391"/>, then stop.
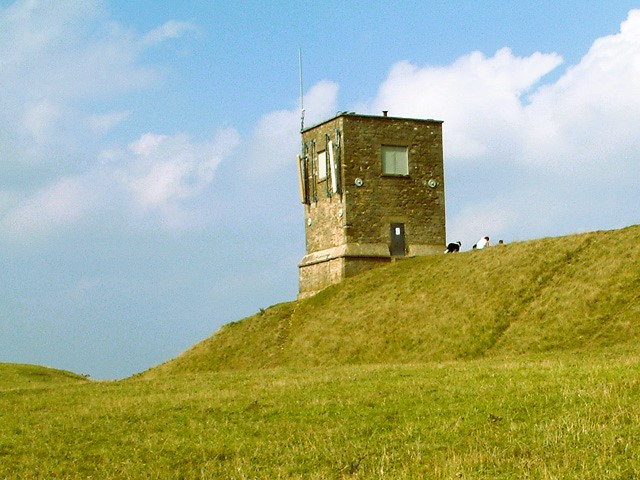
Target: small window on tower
<point x="322" y="165"/>
<point x="395" y="160"/>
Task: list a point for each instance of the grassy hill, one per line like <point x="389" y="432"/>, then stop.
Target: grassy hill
<point x="519" y="361"/>
<point x="19" y="376"/>
<point x="573" y="293"/>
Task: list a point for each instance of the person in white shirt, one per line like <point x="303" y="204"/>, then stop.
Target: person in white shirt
<point x="482" y="243"/>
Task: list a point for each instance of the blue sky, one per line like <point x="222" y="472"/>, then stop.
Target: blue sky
<point x="148" y="190"/>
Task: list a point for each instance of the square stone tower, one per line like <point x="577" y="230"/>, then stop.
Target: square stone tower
<point x="373" y="191"/>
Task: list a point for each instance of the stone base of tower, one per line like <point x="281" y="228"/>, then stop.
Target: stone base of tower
<point x="319" y="270"/>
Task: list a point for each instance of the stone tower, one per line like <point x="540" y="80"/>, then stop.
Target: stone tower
<point x="373" y="190"/>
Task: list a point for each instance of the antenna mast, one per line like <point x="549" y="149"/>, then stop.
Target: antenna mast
<point x="301" y="91"/>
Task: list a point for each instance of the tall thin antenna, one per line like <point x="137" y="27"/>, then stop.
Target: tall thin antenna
<point x="301" y="90"/>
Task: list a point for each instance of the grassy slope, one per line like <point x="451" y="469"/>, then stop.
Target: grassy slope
<point x="562" y="416"/>
<point x="580" y="292"/>
<point x="553" y="396"/>
<point x="20" y="376"/>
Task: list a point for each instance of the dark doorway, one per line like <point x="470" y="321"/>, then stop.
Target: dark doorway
<point x="398" y="245"/>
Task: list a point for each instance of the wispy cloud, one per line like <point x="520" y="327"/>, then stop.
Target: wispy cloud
<point x="56" y="60"/>
<point x="163" y="173"/>
<point x="102" y="123"/>
<point x="157" y="178"/>
<point x="170" y="30"/>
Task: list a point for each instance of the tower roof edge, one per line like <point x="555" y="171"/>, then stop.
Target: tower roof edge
<point x="380" y="117"/>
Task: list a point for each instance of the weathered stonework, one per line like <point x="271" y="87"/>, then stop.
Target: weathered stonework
<point x="353" y="213"/>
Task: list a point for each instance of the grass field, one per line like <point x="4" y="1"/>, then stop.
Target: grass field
<point x="530" y="370"/>
<point x="575" y="293"/>
<point x="544" y="417"/>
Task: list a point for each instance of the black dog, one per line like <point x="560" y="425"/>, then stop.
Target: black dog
<point x="453" y="247"/>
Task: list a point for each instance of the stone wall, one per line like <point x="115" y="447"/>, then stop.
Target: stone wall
<point x="354" y="223"/>
<point x="324" y="214"/>
<point x="382" y="200"/>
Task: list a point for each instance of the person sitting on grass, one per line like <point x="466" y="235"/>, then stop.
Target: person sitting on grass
<point x="482" y="243"/>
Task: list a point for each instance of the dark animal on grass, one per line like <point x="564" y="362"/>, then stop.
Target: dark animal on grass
<point x="453" y="247"/>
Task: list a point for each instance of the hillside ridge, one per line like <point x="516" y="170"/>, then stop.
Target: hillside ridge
<point x="21" y="376"/>
<point x="571" y="293"/>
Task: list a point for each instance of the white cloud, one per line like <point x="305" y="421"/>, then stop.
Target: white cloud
<point x="170" y="30"/>
<point x="166" y="177"/>
<point x="164" y="171"/>
<point x="589" y="117"/>
<point x="479" y="98"/>
<point x="544" y="158"/>
<point x="159" y="177"/>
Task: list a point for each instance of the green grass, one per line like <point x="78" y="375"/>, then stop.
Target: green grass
<point x="521" y="361"/>
<point x="19" y="376"/>
<point x="552" y="417"/>
<point x="576" y="293"/>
